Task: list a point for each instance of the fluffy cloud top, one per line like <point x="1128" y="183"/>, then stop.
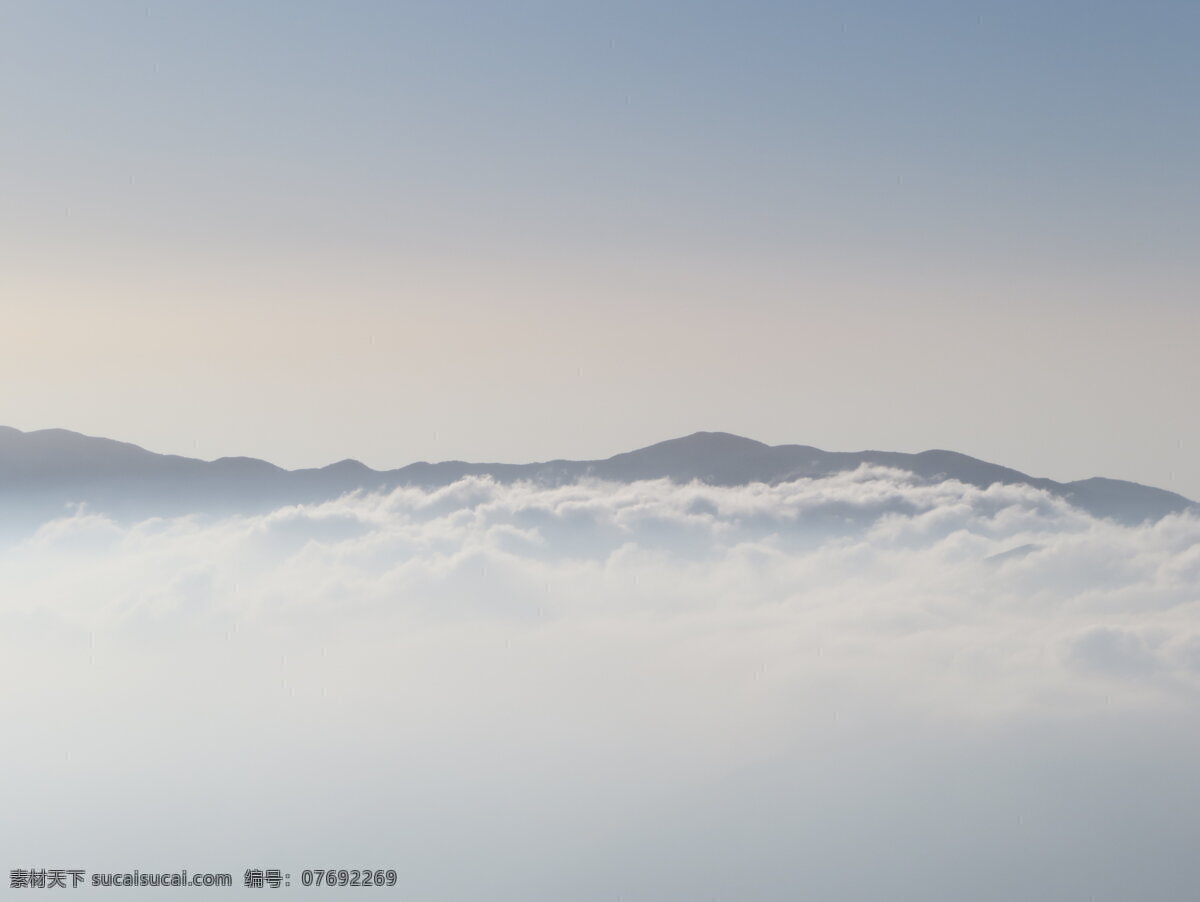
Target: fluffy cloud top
<point x="718" y="674"/>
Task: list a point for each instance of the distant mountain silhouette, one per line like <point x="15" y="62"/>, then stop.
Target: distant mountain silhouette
<point x="44" y="473"/>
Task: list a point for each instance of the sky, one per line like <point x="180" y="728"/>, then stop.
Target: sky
<point x="402" y="231"/>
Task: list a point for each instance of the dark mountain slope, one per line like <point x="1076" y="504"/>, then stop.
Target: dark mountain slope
<point x="43" y="473"/>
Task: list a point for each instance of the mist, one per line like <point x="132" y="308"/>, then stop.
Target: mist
<point x="855" y="687"/>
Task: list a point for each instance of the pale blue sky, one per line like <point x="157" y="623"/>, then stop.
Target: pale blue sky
<point x="307" y="231"/>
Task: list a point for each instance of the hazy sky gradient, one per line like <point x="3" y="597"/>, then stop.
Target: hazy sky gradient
<point x="307" y="231"/>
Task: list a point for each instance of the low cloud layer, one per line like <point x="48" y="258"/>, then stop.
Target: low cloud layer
<point x="855" y="687"/>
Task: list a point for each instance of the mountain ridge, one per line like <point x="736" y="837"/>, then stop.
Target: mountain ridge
<point x="49" y="468"/>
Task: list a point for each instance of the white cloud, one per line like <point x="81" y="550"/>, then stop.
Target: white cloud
<point x="594" y="664"/>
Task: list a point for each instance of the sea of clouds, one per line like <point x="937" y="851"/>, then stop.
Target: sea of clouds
<point x="863" y="686"/>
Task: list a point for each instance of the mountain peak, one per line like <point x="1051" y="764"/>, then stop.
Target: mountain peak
<point x="49" y="467"/>
<point x="704" y="443"/>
